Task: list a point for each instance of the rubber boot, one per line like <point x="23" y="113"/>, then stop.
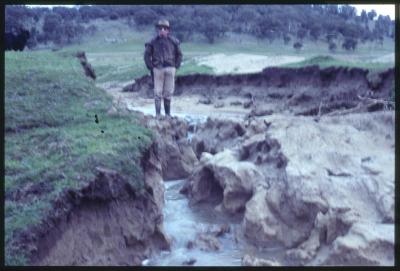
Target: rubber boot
<point x="158" y="107"/>
<point x="167" y="107"/>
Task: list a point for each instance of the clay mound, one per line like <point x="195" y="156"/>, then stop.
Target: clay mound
<point x="215" y="135"/>
<point x="171" y="146"/>
<point x="332" y="184"/>
<point x="222" y="179"/>
<point x="306" y="186"/>
<point x="232" y="175"/>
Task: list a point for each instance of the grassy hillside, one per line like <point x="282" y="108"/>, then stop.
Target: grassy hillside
<point x="116" y="51"/>
<point x="52" y="141"/>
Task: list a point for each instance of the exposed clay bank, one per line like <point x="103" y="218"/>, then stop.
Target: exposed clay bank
<point x="302" y="91"/>
<point x="309" y="187"/>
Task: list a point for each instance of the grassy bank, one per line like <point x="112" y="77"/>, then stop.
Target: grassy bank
<point x="52" y="141"/>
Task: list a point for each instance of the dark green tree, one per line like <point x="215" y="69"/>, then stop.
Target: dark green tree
<point x="145" y="16"/>
<point x="301" y="33"/>
<point x="315" y="32"/>
<point x="297" y="45"/>
<point x="332" y="47"/>
<point x="349" y="44"/>
<point x="364" y="16"/>
<point x="372" y="14"/>
<point x="211" y="22"/>
<point x="286" y="39"/>
<point x="347" y="12"/>
<point x="52" y="27"/>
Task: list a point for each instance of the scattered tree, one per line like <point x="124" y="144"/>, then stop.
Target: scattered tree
<point x="372" y="14"/>
<point x="315" y="32"/>
<point x="298" y="45"/>
<point x="145" y="16"/>
<point x="332" y="47"/>
<point x="364" y="16"/>
<point x="349" y="44"/>
<point x="286" y="39"/>
<point x="268" y="22"/>
<point x="301" y="33"/>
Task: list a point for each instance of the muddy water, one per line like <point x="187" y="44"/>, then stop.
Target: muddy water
<point x="182" y="222"/>
<point x="191" y="117"/>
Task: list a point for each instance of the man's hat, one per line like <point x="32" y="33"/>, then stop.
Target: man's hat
<point x="163" y="23"/>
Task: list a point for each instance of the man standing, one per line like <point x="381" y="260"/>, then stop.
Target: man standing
<point x="162" y="57"/>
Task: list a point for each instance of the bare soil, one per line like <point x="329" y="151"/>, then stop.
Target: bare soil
<point x="353" y="148"/>
<point x="299" y="91"/>
<point x="244" y="63"/>
<point x="125" y="228"/>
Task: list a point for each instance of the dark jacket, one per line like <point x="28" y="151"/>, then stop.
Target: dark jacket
<point x="163" y="52"/>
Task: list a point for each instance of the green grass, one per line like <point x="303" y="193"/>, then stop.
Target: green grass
<point x="41" y="86"/>
<point x="189" y="66"/>
<point x="52" y="142"/>
<point x="123" y="60"/>
<point x="324" y="61"/>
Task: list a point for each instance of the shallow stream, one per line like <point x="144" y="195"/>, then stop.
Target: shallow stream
<point x="183" y="223"/>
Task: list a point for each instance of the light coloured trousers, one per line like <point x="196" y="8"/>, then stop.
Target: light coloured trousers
<point x="164" y="82"/>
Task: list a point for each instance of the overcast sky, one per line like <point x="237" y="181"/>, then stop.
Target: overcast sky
<point x="380" y="9"/>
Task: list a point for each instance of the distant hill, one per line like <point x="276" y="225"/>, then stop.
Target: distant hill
<point x="337" y="25"/>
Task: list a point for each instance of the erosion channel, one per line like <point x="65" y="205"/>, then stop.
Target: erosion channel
<point x="288" y="166"/>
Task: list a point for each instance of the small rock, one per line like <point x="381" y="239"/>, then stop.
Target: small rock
<point x="300" y="255"/>
<point x="236" y="103"/>
<point x="205" y="242"/>
<point x="366" y="159"/>
<point x="219" y="230"/>
<point x="247" y="104"/>
<point x="128" y="88"/>
<point x="219" y="105"/>
<point x="190" y="244"/>
<point x="249" y="260"/>
<point x="337" y="174"/>
<point x="205" y="101"/>
<point x="259" y="112"/>
<point x="191" y="261"/>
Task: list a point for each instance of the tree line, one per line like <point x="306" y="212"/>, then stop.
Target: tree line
<point x="337" y="25"/>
